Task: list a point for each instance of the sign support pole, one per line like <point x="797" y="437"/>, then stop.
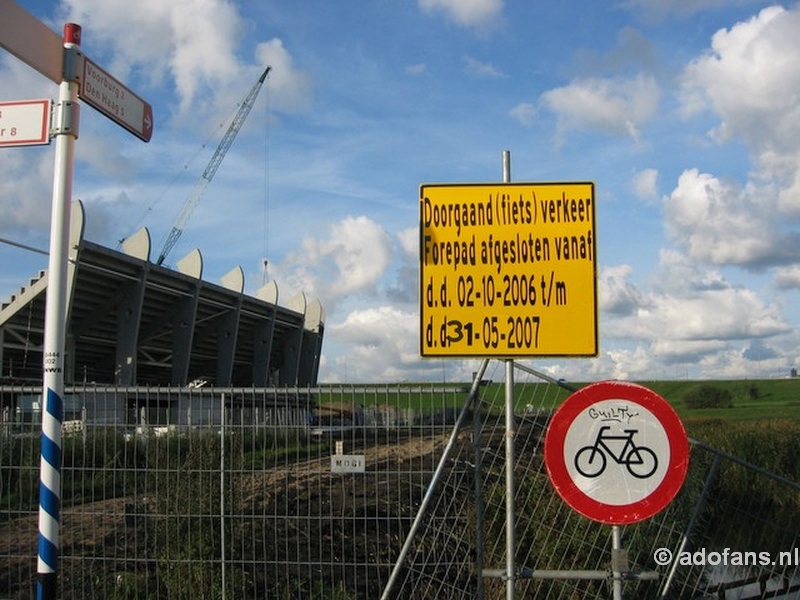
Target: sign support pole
<point x="65" y="130"/>
<point x="511" y="431"/>
<point x="616" y="551"/>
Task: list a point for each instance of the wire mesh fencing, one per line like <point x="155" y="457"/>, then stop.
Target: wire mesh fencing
<point x="354" y="492"/>
<point x="732" y="532"/>
<point x="167" y="493"/>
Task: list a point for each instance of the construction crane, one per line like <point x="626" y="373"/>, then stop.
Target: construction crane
<point x="211" y="170"/>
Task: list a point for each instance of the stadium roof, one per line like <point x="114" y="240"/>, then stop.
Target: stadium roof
<point x="132" y="322"/>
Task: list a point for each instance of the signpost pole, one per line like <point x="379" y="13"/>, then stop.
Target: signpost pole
<point x="61" y="61"/>
<point x="65" y="130"/>
<point x="616" y="550"/>
<point x="511" y="430"/>
<point x="510" y="484"/>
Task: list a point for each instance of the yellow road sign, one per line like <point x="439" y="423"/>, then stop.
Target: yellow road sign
<point x="508" y="270"/>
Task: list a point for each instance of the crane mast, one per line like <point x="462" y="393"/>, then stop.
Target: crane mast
<point x="211" y="169"/>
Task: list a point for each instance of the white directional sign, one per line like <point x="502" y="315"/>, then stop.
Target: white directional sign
<point x="25" y="123"/>
<point x="117" y="102"/>
<point x="616" y="452"/>
<point x="30" y="40"/>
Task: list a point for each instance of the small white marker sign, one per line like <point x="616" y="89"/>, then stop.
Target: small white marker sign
<point x="347" y="463"/>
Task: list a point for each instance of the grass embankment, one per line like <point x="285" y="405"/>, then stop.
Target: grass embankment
<point x="753" y="399"/>
<point x="761" y="425"/>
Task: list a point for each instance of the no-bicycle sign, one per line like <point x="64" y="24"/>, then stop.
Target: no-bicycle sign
<point x="616" y="452"/>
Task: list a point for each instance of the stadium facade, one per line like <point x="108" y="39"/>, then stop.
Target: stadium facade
<point x="131" y="322"/>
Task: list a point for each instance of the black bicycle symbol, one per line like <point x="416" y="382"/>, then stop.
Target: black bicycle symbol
<point x="640" y="461"/>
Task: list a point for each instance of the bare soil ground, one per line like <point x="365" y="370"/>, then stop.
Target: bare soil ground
<point x="293" y="514"/>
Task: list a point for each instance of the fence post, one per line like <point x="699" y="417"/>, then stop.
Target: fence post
<point x="477" y="428"/>
<point x="709" y="482"/>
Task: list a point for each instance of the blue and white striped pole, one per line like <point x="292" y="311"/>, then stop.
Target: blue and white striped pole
<point x="65" y="131"/>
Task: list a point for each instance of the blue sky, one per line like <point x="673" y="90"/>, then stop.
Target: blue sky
<point x="685" y="114"/>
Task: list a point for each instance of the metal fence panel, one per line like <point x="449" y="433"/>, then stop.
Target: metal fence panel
<point x="243" y="493"/>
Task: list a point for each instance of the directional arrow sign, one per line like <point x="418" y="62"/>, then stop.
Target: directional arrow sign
<point x="25" y="123"/>
<point x="105" y="93"/>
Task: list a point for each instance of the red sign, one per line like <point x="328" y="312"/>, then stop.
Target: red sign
<point x="117" y="102"/>
<point x="616" y="452"/>
<point x="25" y="123"/>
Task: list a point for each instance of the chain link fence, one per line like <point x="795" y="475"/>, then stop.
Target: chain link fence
<point x="351" y="492"/>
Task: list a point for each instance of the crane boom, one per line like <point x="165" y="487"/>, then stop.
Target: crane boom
<point x="211" y="169"/>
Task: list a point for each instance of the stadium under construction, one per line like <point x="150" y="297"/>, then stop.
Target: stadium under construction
<point x="132" y="323"/>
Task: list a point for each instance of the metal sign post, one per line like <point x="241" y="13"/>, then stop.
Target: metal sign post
<point x="511" y="430"/>
<point x="61" y="61"/>
<point x="65" y="131"/>
<point x="508" y="270"/>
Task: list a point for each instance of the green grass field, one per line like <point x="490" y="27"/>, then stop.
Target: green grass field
<point x="756" y="399"/>
<point x="753" y="399"/>
<point x="762" y="426"/>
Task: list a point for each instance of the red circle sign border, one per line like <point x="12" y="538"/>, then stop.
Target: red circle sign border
<point x="573" y="495"/>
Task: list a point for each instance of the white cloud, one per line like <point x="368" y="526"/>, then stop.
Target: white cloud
<point x="26" y="196"/>
<point x="627" y="364"/>
<point x="788" y="277"/>
<point x="689" y="328"/>
<point x="616" y="293"/>
<point x="350" y="261"/>
<point x="645" y="184"/>
<point x="482" y="69"/>
<point x="613" y="106"/>
<point x="382" y="344"/>
<point x="525" y="113"/>
<point x="758" y="56"/>
<point x="194" y="39"/>
<point x="469" y="13"/>
<point x="749" y="79"/>
<point x="290" y="88"/>
<point x="409" y="242"/>
<point x="722" y="223"/>
<point x="193" y="43"/>
<point x="693" y="312"/>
